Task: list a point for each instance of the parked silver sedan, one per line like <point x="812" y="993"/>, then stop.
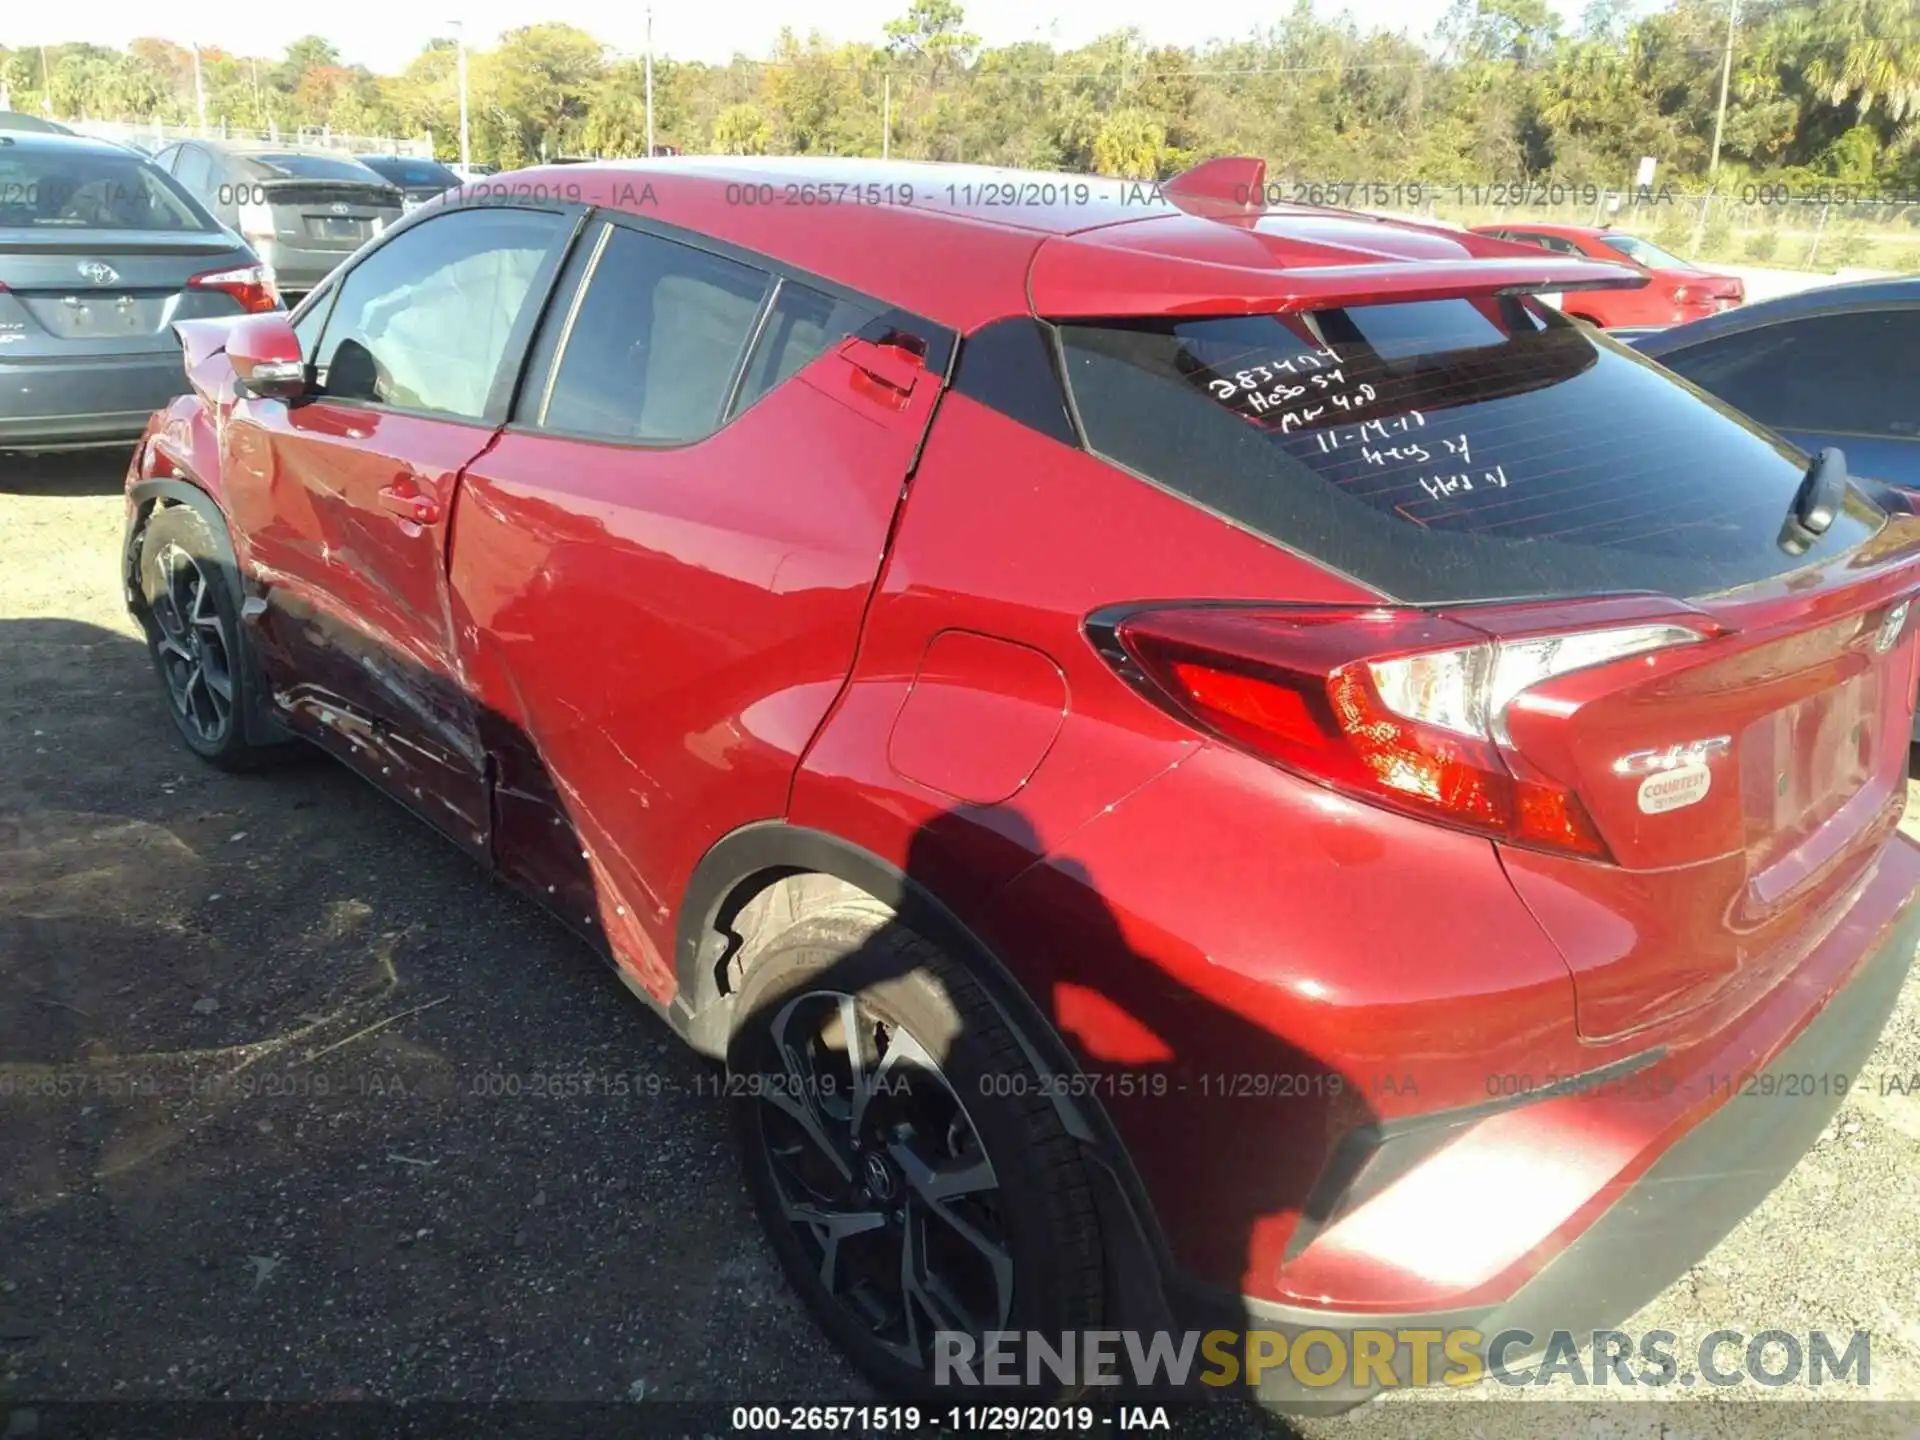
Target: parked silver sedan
<point x="100" y="253"/>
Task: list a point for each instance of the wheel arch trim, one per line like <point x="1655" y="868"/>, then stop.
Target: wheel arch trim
<point x="145" y="496"/>
<point x="142" y="496"/>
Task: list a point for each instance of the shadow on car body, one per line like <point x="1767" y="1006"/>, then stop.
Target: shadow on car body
<point x="1226" y="1143"/>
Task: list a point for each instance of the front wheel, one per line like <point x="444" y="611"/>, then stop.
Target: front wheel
<point x="917" y="1186"/>
<point x="194" y="636"/>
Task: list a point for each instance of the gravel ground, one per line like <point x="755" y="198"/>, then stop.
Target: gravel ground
<point x="260" y="1036"/>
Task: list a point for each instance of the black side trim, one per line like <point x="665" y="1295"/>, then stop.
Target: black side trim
<point x="740" y="863"/>
<point x="1007" y="365"/>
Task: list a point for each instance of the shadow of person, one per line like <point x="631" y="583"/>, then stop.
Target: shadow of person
<point x="1054" y="1067"/>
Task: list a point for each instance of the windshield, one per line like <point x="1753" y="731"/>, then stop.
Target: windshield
<point x="314" y="167"/>
<point x="1645" y="252"/>
<point x="1447" y="450"/>
<point x="88" y="190"/>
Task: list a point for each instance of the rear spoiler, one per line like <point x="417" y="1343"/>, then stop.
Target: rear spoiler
<point x="1080" y="277"/>
<point x="287" y="185"/>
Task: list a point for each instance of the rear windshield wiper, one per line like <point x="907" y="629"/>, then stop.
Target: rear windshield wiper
<point x="1816" y="504"/>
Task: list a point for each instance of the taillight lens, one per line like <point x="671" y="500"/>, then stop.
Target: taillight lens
<point x="251" y="285"/>
<point x="1401" y="708"/>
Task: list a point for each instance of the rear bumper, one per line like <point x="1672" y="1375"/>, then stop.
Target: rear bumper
<point x="97" y="401"/>
<point x="1652" y="1232"/>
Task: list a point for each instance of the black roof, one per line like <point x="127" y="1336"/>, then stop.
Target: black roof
<point x="45" y="140"/>
<point x="19" y="120"/>
<point x="1897" y="292"/>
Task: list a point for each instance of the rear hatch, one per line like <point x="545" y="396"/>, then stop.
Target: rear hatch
<point x="100" y="293"/>
<point x="1612" y="636"/>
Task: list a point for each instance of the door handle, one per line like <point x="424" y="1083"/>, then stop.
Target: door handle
<point x="890" y="372"/>
<point x="410" y="504"/>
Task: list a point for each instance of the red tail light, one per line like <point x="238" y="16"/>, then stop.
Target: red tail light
<point x="1401" y="708"/>
<point x="251" y="285"/>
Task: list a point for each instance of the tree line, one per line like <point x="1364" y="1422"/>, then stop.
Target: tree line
<point x="1502" y="92"/>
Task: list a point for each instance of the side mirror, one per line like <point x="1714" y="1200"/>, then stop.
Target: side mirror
<point x="266" y="359"/>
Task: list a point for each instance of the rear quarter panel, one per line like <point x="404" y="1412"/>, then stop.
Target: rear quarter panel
<point x="1175" y="909"/>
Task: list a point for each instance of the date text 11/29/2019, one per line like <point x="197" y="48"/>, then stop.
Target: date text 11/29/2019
<point x="986" y="1419"/>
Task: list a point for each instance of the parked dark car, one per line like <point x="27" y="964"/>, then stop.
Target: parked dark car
<point x="303" y="211"/>
<point x="19" y="120"/>
<point x="1838" y="365"/>
<point x="419" y="180"/>
<point x="1197" y="767"/>
<point x="100" y="253"/>
<point x="1833" y="366"/>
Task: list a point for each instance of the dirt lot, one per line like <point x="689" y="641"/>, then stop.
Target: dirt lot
<point x="268" y="1124"/>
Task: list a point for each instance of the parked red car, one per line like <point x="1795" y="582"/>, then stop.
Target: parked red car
<point x="1197" y="764"/>
<point x="1676" y="290"/>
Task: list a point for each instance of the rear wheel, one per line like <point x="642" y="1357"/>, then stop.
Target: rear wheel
<point x="194" y="636"/>
<point x="912" y="1178"/>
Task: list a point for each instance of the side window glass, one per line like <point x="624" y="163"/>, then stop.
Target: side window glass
<point x="655" y="344"/>
<point x="802" y="325"/>
<point x="1557" y="243"/>
<point x="1838" y="373"/>
<point x="167" y="158"/>
<point x="194" y="169"/>
<point x="423" y="322"/>
<point x="307" y="328"/>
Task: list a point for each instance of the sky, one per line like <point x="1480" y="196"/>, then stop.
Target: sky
<point x="385" y="36"/>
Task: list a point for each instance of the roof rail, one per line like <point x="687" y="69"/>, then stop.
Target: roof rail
<point x="1229" y="185"/>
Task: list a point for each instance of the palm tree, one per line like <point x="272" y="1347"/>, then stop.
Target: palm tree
<point x="1866" y="52"/>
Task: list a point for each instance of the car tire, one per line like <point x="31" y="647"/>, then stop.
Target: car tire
<point x="1022" y="1252"/>
<point x="194" y="637"/>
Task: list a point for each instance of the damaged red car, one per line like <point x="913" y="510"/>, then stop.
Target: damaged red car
<point x="1197" y="764"/>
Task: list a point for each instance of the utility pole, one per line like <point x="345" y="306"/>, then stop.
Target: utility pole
<point x="199" y="91"/>
<point x="1726" y="77"/>
<point x="886" y="116"/>
<point x="466" y="144"/>
<point x="649" y="82"/>
<point x="1719" y="125"/>
<point x="46" y="83"/>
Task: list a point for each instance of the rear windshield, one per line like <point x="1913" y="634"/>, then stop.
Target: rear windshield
<point x="415" y="174"/>
<point x="314" y="167"/>
<point x="1449" y="450"/>
<point x="89" y="190"/>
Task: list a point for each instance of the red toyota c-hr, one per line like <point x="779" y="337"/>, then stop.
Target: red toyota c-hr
<point x="1200" y="765"/>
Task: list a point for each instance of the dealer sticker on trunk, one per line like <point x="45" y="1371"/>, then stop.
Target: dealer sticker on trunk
<point x="1674" y="789"/>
